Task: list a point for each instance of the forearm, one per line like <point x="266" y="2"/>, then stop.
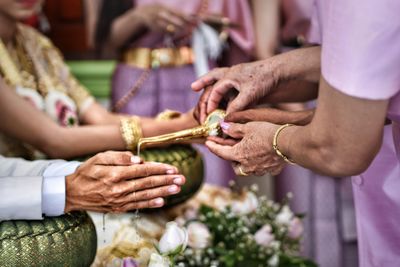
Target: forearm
<point x="125" y="27"/>
<point x="343" y="137"/>
<point x="266" y="21"/>
<point x="302" y="64"/>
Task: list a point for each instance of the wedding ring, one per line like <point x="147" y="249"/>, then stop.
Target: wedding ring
<point x="170" y="28"/>
<point x="241" y="172"/>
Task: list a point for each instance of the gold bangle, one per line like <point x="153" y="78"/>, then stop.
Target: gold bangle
<point x="167" y="115"/>
<point x="275" y="144"/>
<point x="131" y="132"/>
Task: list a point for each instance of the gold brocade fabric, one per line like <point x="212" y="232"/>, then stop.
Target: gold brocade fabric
<point x="67" y="240"/>
<point x="36" y="69"/>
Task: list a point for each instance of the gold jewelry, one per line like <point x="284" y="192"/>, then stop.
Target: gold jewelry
<point x="275" y="144"/>
<point x="170" y="28"/>
<point x="167" y="115"/>
<point x="131" y="132"/>
<point x="241" y="172"/>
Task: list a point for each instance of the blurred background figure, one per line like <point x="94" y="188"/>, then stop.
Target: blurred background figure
<point x="162" y="46"/>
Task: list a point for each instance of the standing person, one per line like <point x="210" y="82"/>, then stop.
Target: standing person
<point x="157" y="59"/>
<point x="359" y="92"/>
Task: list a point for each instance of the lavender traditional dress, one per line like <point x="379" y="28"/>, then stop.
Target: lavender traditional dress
<point x="361" y="58"/>
<point x="169" y="88"/>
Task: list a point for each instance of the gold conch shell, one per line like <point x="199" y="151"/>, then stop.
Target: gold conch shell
<point x="210" y="127"/>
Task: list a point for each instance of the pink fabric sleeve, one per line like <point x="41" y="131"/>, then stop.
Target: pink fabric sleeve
<point x="360" y="46"/>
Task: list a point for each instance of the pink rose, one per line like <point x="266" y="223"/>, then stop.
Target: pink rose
<point x="296" y="228"/>
<point x="264" y="236"/>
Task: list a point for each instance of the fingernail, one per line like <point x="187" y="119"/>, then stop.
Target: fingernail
<point x="158" y="202"/>
<point x="224" y="125"/>
<point x="171" y="171"/>
<point x="178" y="180"/>
<point x="135" y="159"/>
<point x="173" y="189"/>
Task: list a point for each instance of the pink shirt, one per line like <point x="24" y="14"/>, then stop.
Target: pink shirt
<point x="361" y="58"/>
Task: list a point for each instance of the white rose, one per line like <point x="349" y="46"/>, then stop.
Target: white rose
<point x="199" y="235"/>
<point x="174" y="240"/>
<point x="245" y="206"/>
<point x="264" y="236"/>
<point x="285" y="216"/>
<point x="296" y="228"/>
<point x="273" y="261"/>
<point x="157" y="260"/>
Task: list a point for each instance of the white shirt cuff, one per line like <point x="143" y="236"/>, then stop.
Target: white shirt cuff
<point x="53" y="188"/>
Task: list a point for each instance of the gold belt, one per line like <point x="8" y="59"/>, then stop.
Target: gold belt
<point x="147" y="58"/>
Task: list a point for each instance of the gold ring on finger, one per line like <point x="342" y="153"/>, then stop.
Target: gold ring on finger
<point x="241" y="172"/>
<point x="170" y="28"/>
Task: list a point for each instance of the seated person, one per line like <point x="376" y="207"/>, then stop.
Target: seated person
<point x="34" y="68"/>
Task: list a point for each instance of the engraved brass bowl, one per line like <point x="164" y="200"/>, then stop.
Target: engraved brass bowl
<point x="189" y="162"/>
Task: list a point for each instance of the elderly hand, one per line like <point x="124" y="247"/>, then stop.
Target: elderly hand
<point x="250" y="150"/>
<point x="253" y="81"/>
<point x="118" y="182"/>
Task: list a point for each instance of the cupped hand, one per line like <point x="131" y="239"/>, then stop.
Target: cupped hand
<point x="249" y="148"/>
<point x="252" y="81"/>
<point x="160" y="18"/>
<point x="118" y="182"/>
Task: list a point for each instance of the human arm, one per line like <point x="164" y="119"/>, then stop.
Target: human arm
<point x="143" y="18"/>
<point x="254" y="81"/>
<point x="341" y="140"/>
<point x="266" y="24"/>
<point x="109" y="181"/>
<point x="43" y="133"/>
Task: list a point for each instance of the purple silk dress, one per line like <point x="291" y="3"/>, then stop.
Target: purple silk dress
<point x="169" y="88"/>
<point x="361" y="58"/>
<point x="330" y="227"/>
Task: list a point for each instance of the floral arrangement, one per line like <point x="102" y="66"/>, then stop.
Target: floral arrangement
<point x="248" y="231"/>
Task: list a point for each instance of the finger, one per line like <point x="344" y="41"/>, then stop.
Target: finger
<point x="203" y="105"/>
<point x="223" y="141"/>
<point x="162" y="191"/>
<point x="128" y="187"/>
<point x="147" y="204"/>
<point x="240" y="170"/>
<point x="234" y="130"/>
<point x="119" y="173"/>
<point x="208" y="79"/>
<point x="225" y="152"/>
<point x="115" y="158"/>
<point x="220" y="89"/>
<point x="238" y="103"/>
<point x="241" y="116"/>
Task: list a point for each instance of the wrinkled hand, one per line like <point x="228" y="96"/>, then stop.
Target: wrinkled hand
<point x="252" y="81"/>
<point x="117" y="182"/>
<point x="159" y="18"/>
<point x="271" y="115"/>
<point x="250" y="149"/>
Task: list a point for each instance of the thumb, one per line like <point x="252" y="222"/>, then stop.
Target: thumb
<point x="234" y="130"/>
<point x="238" y="103"/>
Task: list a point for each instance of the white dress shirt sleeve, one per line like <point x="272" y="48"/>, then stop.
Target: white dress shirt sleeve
<point x="53" y="187"/>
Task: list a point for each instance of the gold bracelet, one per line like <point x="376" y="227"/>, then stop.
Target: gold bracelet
<point x="167" y="115"/>
<point x="275" y="144"/>
<point x="131" y="132"/>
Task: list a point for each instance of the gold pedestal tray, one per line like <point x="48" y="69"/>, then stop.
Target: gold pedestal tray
<point x="67" y="240"/>
<point x="189" y="162"/>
